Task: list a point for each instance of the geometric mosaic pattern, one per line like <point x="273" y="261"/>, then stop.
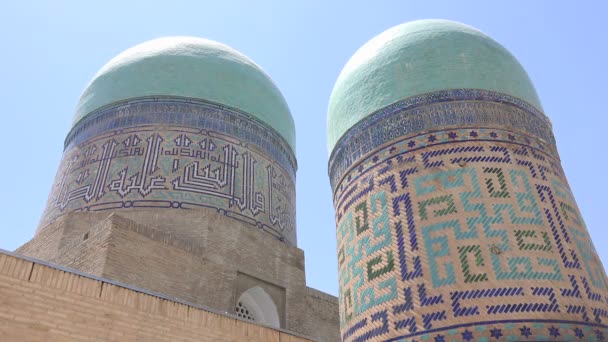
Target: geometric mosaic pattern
<point x="174" y="167"/>
<point x="465" y="234"/>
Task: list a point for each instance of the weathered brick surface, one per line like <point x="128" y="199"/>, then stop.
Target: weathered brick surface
<point x="323" y="315"/>
<point x="42" y="303"/>
<point x="196" y="256"/>
<point x="64" y="243"/>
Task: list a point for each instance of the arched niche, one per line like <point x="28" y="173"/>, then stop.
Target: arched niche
<point x="256" y="305"/>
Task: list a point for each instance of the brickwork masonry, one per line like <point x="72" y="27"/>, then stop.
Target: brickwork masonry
<point x="42" y="302"/>
<point x="195" y="256"/>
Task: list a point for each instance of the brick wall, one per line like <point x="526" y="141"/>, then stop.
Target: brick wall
<point x="192" y="255"/>
<point x="39" y="302"/>
<point x="323" y="315"/>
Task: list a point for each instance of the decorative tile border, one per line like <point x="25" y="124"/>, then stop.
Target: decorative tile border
<point x="513" y="330"/>
<point x="437" y="110"/>
<point x="193" y="113"/>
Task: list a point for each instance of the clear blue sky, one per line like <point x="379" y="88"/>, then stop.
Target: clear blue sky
<point x="51" y="49"/>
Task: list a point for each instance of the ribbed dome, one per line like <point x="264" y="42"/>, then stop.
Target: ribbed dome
<point x="189" y="67"/>
<point x="421" y="57"/>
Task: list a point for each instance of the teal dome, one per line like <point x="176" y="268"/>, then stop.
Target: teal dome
<point x="421" y="57"/>
<point x="193" y="68"/>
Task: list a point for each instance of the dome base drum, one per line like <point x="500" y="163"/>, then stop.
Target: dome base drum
<point x="175" y="154"/>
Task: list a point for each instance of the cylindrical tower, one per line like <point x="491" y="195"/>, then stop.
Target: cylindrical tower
<point x="454" y="218"/>
<point x="181" y="123"/>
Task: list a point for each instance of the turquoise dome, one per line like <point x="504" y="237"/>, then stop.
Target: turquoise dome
<point x="421" y="57"/>
<point x="193" y="68"/>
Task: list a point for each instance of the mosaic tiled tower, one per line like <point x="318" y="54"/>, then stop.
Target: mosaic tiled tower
<point x="454" y="218"/>
<point x="181" y="123"/>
